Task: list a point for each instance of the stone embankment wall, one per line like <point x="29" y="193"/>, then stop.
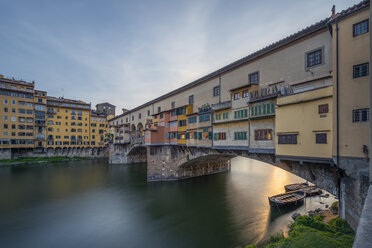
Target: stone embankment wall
<point x="54" y="152"/>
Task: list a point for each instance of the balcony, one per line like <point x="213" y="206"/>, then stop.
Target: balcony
<point x="40" y="123"/>
<point x="40" y="136"/>
<point x="269" y="93"/>
<point x="221" y="106"/>
<point x="51" y="111"/>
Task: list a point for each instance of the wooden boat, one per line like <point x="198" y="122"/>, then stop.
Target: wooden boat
<point x="292" y="198"/>
<point x="311" y="190"/>
<point x="295" y="186"/>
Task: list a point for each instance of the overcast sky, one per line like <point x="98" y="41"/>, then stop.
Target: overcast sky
<point x="129" y="52"/>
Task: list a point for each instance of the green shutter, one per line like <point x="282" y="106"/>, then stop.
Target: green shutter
<point x="245" y="112"/>
<point x="273" y="108"/>
<point x="215" y="136"/>
<point x="200" y="136"/>
<point x="195" y="135"/>
<point x="210" y="135"/>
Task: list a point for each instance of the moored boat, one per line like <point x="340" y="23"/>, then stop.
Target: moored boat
<point x="293" y="198"/>
<point x="295" y="186"/>
<point x="311" y="190"/>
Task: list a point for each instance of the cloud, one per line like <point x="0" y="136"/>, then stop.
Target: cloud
<point x="128" y="53"/>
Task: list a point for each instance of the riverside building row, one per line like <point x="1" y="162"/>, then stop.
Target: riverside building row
<point x="32" y="121"/>
<point x="282" y="99"/>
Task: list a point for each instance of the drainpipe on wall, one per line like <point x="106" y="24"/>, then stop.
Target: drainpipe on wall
<point x="219" y="83"/>
<point x="370" y="99"/>
<point x="341" y="188"/>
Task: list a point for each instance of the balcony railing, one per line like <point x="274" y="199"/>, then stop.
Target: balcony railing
<point x="269" y="92"/>
<point x="222" y="105"/>
<point x="40" y="136"/>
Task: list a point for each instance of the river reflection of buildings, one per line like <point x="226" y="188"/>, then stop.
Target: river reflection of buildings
<point x="250" y="184"/>
<point x="29" y="183"/>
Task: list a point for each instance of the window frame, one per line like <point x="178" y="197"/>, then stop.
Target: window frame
<point x="250" y="75"/>
<point x="360" y="73"/>
<point x="322" y="58"/>
<point x="359" y="23"/>
<point x="236" y="96"/>
<point x="216" y="91"/>
<point x="319" y="138"/>
<point x="287" y="141"/>
<point x="360" y="114"/>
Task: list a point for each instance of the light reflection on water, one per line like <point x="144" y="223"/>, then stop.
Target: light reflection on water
<point x="92" y="204"/>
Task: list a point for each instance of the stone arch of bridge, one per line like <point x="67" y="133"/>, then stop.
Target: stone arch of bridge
<point x="137" y="154"/>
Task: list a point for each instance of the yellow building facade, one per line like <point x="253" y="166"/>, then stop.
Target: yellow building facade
<point x="16" y="114"/>
<point x="303" y="126"/>
<point x="70" y="123"/>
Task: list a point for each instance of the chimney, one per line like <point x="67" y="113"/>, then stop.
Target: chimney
<point x="333" y="11"/>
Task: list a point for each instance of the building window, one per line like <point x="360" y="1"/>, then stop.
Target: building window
<point x="287" y="139"/>
<point x="159" y="109"/>
<point x="190" y="120"/>
<point x="360" y="115"/>
<point x="148" y="114"/>
<point x="241" y="114"/>
<point x="323" y="109"/>
<point x="218" y="117"/>
<point x="216" y="91"/>
<point x="321" y="138"/>
<point x="254" y="78"/>
<point x="191" y="99"/>
<point x="219" y="136"/>
<point x="5" y="101"/>
<point x="263" y="134"/>
<point x="173" y="104"/>
<point x="245" y="93"/>
<point x="182" y="123"/>
<point x="361" y="70"/>
<point x="314" y="58"/>
<point x="240" y="135"/>
<point x="132" y="118"/>
<point x="236" y="96"/>
<point x="225" y="115"/>
<point x="361" y="28"/>
<point x="204" y="118"/>
<point x="139" y="115"/>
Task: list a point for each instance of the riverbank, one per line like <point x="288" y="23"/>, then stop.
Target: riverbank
<point x="33" y="160"/>
<point x="319" y="229"/>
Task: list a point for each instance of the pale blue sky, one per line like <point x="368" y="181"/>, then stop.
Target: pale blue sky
<point x="129" y="52"/>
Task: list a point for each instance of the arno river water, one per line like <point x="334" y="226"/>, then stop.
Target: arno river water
<point x="91" y="204"/>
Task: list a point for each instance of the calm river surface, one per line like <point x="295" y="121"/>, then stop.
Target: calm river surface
<point x="91" y="204"/>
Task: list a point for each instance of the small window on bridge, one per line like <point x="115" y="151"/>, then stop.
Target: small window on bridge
<point x="287" y="138"/>
<point x="321" y="138"/>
